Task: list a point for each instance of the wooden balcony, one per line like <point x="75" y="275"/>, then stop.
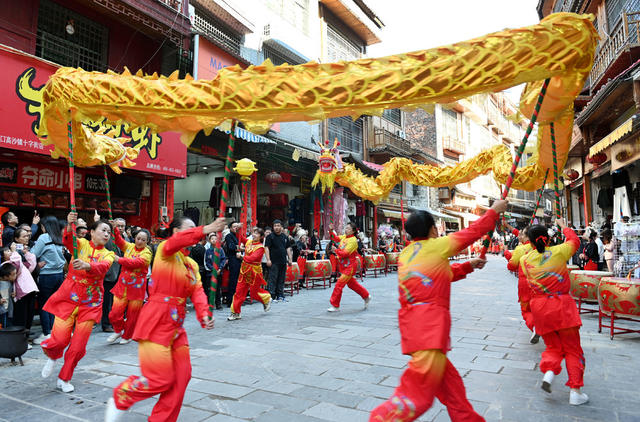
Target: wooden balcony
<point x="625" y="35"/>
<point x="453" y="145"/>
<point x="383" y="138"/>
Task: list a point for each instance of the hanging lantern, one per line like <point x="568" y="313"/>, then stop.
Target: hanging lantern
<point x="273" y="179"/>
<point x="571" y="174"/>
<point x="598" y="158"/>
<point x="245" y="168"/>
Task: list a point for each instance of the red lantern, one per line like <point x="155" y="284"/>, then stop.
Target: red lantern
<point x="571" y="174"/>
<point x="598" y="158"/>
<point x="273" y="179"/>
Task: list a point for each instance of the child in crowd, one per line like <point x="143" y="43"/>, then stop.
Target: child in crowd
<point x="8" y="275"/>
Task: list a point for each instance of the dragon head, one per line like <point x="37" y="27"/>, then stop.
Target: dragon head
<point x="329" y="164"/>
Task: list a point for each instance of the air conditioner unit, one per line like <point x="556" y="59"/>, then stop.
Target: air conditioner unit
<point x="401" y="134"/>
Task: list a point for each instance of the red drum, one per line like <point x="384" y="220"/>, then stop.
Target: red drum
<point x="584" y="287"/>
<point x="318" y="271"/>
<point x="375" y="263"/>
<point x="619" y="298"/>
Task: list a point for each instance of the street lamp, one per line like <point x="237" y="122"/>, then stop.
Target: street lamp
<point x="245" y="168"/>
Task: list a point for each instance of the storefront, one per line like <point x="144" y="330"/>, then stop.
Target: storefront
<point x="31" y="179"/>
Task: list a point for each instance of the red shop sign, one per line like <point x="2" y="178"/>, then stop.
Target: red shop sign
<point x="21" y="82"/>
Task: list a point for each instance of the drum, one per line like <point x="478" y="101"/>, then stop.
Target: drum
<point x="619" y="295"/>
<point x="318" y="270"/>
<point x="375" y="263"/>
<point x="392" y="259"/>
<point x="293" y="273"/>
<point x="584" y="284"/>
<point x="291" y="278"/>
<point x="619" y="298"/>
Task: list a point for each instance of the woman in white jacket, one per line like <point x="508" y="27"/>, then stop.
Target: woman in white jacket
<point x="25" y="286"/>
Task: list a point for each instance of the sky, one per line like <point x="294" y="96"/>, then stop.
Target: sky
<point x="419" y="24"/>
<point x="412" y="25"/>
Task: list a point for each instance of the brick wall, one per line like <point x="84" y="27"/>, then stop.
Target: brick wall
<point x="420" y="128"/>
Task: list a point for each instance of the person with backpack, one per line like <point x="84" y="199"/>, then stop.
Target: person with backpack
<point x="49" y="252"/>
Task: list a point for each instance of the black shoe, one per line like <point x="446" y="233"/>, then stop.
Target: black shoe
<point x="107" y="329"/>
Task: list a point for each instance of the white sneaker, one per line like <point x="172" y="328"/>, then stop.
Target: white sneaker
<point x="113" y="338"/>
<point x="112" y="413"/>
<point x="577" y="398"/>
<point x="233" y="317"/>
<point x="366" y="301"/>
<point x="47" y="370"/>
<point x="332" y="309"/>
<point x="41" y="338"/>
<point x="267" y="305"/>
<point x="547" y="380"/>
<point x="29" y="347"/>
<point x="535" y="338"/>
<point x="65" y="386"/>
<point x="125" y="340"/>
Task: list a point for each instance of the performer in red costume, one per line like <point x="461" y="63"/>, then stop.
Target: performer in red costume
<point x="524" y="292"/>
<point x="77" y="304"/>
<point x="424" y="282"/>
<point x="554" y="311"/>
<point x="129" y="292"/>
<point x="163" y="348"/>
<point x="346" y="257"/>
<point x="251" y="279"/>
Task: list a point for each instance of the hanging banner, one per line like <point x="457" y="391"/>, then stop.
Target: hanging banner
<point x="21" y="82"/>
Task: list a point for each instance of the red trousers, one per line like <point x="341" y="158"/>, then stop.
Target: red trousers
<point x="68" y="332"/>
<point x="255" y="291"/>
<point x="116" y="316"/>
<point x="349" y="281"/>
<point x="166" y="370"/>
<point x="564" y="344"/>
<point x="430" y="374"/>
<point x="525" y="308"/>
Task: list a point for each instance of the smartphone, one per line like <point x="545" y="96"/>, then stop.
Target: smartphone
<point x="19" y="246"/>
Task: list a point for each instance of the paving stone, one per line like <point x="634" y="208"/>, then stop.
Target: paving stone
<point x="331" y="412"/>
<point x="278" y="415"/>
<point x="219" y="389"/>
<point x="280" y="401"/>
<point x="238" y="409"/>
<point x="329" y="396"/>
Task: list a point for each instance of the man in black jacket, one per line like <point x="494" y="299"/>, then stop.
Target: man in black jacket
<point x="277" y="249"/>
<point x="233" y="250"/>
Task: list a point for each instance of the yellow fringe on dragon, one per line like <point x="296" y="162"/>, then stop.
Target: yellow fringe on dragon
<point x="560" y="47"/>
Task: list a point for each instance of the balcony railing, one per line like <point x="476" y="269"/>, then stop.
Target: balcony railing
<point x="453" y="145"/>
<point x="624" y="33"/>
<point x="382" y="137"/>
<point x="174" y="4"/>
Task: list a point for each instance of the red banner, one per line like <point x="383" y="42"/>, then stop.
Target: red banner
<point x="21" y="82"/>
<point x="39" y="185"/>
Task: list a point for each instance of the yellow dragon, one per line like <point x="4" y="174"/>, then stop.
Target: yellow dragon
<point x="561" y="47"/>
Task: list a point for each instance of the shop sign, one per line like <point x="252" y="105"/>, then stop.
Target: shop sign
<point x="212" y="59"/>
<point x="625" y="153"/>
<point x="8" y="173"/>
<point x="95" y="183"/>
<point x="23" y="78"/>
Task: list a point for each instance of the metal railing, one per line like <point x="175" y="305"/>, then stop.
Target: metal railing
<point x="382" y="137"/>
<point x="453" y="145"/>
<point x="174" y="4"/>
<point x="217" y="32"/>
<point x="625" y="32"/>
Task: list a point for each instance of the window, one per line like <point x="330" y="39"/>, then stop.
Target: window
<point x="416" y="190"/>
<point x="86" y="47"/>
<point x="393" y="115"/>
<point x="339" y="47"/>
<point x="294" y="12"/>
<point x="348" y="132"/>
<point x="397" y="189"/>
<point x="217" y="31"/>
<point x="276" y="57"/>
<point x="450" y="123"/>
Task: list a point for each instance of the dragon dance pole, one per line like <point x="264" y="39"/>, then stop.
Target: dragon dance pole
<point x="535" y="210"/>
<point x="72" y="188"/>
<point x="402" y="219"/>
<point x="555" y="172"/>
<point x="106" y="185"/>
<point x="523" y="144"/>
<point x="224" y="198"/>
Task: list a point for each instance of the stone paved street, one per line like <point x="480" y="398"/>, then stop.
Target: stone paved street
<point x="300" y="363"/>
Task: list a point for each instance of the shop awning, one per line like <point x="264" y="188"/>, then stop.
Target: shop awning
<point x="465" y="215"/>
<point x="393" y="214"/>
<point x="245" y="134"/>
<point x="515" y="214"/>
<point x="612" y="137"/>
